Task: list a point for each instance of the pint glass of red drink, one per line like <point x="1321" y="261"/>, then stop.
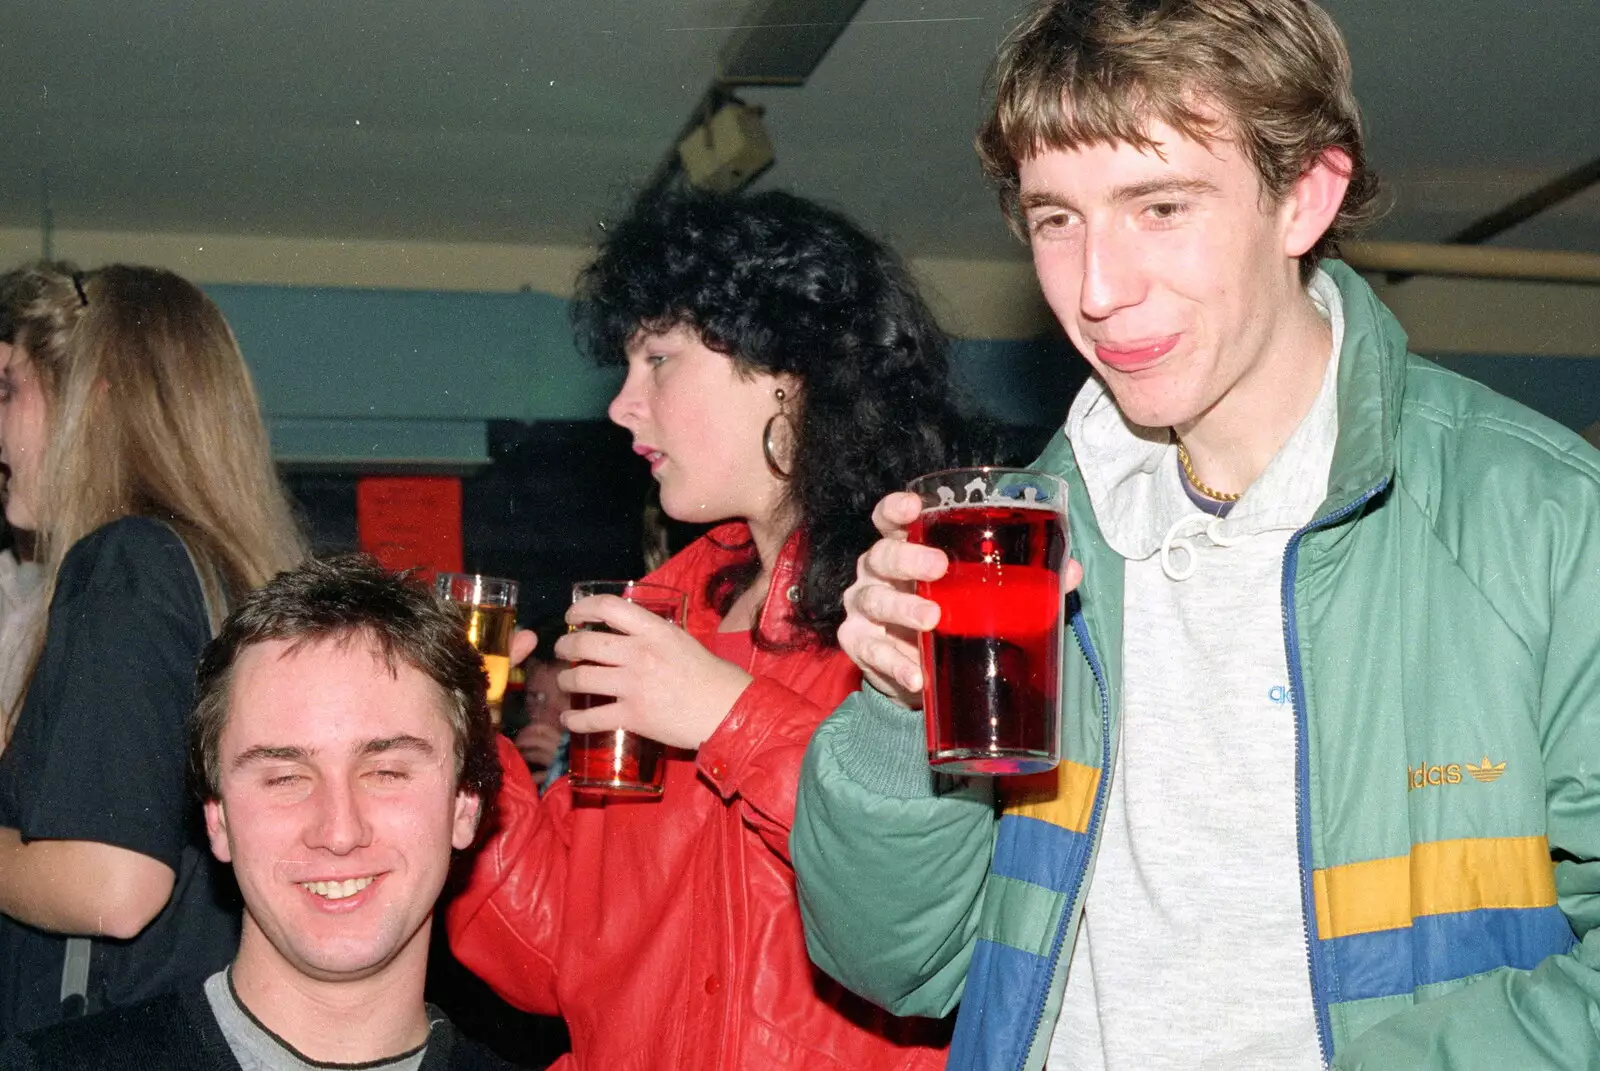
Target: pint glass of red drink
<point x="617" y="762"/>
<point x="992" y="666"/>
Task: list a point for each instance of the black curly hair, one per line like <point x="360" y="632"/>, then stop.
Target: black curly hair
<point x="782" y="285"/>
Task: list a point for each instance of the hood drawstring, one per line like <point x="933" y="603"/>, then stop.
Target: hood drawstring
<point x="1208" y="524"/>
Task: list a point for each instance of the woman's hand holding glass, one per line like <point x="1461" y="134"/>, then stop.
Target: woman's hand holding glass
<point x="667" y="686"/>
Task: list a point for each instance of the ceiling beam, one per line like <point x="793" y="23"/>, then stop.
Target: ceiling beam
<point x="781" y="45"/>
<point x="1529" y="205"/>
<point x="1405" y="259"/>
<point x="1521" y="210"/>
<point x="784" y="42"/>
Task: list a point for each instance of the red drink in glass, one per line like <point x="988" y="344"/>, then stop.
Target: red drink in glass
<point x="616" y="762"/>
<point x="992" y="665"/>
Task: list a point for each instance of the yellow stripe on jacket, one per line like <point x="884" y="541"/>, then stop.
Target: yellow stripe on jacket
<point x="1063" y="797"/>
<point x="1436" y="878"/>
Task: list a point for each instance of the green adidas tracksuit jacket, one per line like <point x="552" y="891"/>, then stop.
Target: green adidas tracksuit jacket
<point x="1442" y="625"/>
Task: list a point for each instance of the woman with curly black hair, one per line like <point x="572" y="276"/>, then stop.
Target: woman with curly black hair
<point x="782" y="375"/>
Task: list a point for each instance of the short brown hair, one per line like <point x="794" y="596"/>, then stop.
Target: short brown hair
<point x="351" y="598"/>
<point x="1083" y="72"/>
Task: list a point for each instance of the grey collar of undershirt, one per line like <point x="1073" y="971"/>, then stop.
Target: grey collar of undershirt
<point x="1203" y="502"/>
<point x="259" y="1049"/>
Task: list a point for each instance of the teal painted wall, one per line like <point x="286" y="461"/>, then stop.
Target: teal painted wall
<point x="374" y="377"/>
<point x="350" y="375"/>
<point x="1025" y="383"/>
<point x="1563" y="388"/>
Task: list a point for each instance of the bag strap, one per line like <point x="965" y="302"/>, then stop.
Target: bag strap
<point x="75" y="977"/>
<point x="80" y="950"/>
<point x="214" y="612"/>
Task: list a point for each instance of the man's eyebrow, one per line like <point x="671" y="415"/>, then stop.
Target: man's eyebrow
<point x="1135" y="191"/>
<point x="1042" y="199"/>
<point x="403" y="742"/>
<point x="267" y="753"/>
<point x="1132" y="191"/>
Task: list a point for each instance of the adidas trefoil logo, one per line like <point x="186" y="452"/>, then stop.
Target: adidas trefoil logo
<point x="1486" y="773"/>
<point x="1426" y="776"/>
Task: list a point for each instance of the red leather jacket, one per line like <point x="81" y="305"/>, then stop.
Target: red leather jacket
<point x="666" y="933"/>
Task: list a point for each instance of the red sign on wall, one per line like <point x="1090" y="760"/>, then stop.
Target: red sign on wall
<point x="411" y="522"/>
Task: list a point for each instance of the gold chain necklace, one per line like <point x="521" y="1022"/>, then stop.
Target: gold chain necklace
<point x="1194" y="481"/>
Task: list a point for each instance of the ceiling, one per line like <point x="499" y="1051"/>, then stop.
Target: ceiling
<point x="529" y="121"/>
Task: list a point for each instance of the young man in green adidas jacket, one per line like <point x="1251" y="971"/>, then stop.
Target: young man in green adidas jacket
<point x="1331" y="716"/>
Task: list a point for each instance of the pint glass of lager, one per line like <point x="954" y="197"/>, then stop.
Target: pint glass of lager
<point x="489" y="607"/>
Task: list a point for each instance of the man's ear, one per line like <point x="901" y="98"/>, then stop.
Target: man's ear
<point x="217" y="830"/>
<point x="465" y="826"/>
<point x="1313" y="202"/>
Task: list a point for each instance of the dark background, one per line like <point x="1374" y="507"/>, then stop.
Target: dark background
<point x="558" y="502"/>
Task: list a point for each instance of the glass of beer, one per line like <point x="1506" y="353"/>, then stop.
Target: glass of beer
<point x="489" y="607"/>
<point x="992" y="666"/>
<point x="617" y="762"/>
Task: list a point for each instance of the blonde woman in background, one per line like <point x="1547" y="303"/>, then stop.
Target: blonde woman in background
<point x="138" y="457"/>
<point x="21" y="608"/>
<point x="21" y="597"/>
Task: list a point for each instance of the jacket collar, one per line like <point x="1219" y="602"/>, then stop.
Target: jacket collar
<point x="1372" y="365"/>
<point x="731" y="542"/>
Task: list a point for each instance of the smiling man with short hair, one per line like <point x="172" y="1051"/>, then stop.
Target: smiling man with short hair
<point x="344" y="753"/>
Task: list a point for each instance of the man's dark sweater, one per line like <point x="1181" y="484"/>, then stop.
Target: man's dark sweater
<point x="178" y="1032"/>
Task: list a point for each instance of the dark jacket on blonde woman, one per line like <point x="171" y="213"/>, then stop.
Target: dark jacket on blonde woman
<point x="138" y="456"/>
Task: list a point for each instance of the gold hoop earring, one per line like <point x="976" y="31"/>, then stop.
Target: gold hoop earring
<point x="768" y="451"/>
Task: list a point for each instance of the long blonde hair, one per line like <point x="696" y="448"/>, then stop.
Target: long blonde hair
<point x="151" y="413"/>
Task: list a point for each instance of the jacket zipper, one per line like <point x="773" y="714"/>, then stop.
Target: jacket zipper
<point x="1080" y="631"/>
<point x="1302" y="765"/>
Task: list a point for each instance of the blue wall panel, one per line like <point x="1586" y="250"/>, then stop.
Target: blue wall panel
<point x="356" y="375"/>
<point x="1563" y="388"/>
<point x="349" y="375"/>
